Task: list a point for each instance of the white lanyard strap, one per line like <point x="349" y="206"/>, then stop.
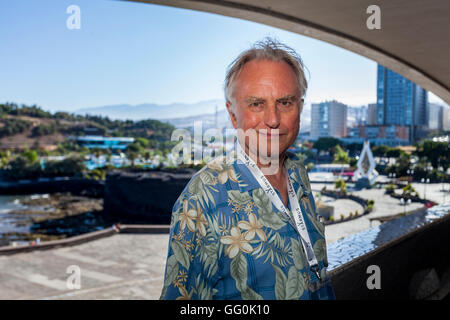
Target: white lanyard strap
<point x="275" y="199"/>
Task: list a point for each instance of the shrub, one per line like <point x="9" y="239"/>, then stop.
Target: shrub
<point x="71" y="166"/>
<point x="21" y="168"/>
<point x="43" y="130"/>
<point x="97" y="174"/>
<point x="390" y="188"/>
<point x="13" y="126"/>
<point x="408" y="190"/>
<point x="341" y="185"/>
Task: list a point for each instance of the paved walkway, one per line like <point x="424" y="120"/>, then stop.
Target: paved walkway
<point x="342" y="206"/>
<point x="122" y="266"/>
<point x="384" y="206"/>
<point x="131" y="266"/>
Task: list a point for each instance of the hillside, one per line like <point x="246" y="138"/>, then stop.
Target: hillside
<point x="24" y="127"/>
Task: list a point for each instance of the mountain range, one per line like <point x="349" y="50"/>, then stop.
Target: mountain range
<point x="183" y="115"/>
<point x="154" y="111"/>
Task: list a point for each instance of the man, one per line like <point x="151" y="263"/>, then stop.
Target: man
<point x="240" y="229"/>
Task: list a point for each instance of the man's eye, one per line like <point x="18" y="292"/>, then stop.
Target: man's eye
<point x="285" y="103"/>
<point x="255" y="104"/>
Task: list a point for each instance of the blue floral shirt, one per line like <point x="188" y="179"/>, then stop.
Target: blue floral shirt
<point x="228" y="241"/>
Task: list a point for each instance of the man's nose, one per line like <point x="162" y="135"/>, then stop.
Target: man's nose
<point x="272" y="116"/>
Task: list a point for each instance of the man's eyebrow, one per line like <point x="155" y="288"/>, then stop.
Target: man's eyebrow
<point x="253" y="99"/>
<point x="286" y="97"/>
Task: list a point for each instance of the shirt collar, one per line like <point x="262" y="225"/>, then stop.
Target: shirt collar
<point x="248" y="182"/>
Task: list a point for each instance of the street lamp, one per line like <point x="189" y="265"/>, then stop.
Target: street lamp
<point x="411" y="173"/>
<point x="404" y="203"/>
<point x="392" y="176"/>
<point x="425" y="187"/>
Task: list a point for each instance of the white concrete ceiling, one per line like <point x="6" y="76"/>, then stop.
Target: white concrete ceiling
<point x="414" y="39"/>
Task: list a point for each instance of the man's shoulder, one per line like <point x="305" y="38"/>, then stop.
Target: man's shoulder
<point x="219" y="166"/>
<point x="294" y="160"/>
<point x="212" y="177"/>
<point x="297" y="164"/>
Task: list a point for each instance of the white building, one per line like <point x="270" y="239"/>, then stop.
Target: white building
<point x="435" y="116"/>
<point x="328" y="119"/>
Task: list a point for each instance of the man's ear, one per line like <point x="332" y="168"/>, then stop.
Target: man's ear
<point x="231" y="113"/>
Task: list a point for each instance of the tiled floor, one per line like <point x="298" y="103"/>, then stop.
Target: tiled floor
<point x="123" y="266"/>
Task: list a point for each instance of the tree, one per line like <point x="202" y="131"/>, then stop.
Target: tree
<point x="142" y="142"/>
<point x="340" y="156"/>
<point x="326" y="143"/>
<point x="71" y="166"/>
<point x="30" y="155"/>
<point x="380" y="151"/>
<point x="394" y="152"/>
<point x="22" y="168"/>
<point x="147" y="155"/>
<point x="4" y="158"/>
<point x="436" y="153"/>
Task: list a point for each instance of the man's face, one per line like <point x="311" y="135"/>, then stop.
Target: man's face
<point x="267" y="98"/>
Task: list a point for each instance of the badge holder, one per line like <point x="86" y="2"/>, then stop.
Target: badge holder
<point x="321" y="288"/>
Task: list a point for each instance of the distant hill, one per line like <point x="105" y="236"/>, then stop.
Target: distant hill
<point x="208" y="120"/>
<point x="30" y="126"/>
<point x="223" y="119"/>
<point x="154" y="111"/>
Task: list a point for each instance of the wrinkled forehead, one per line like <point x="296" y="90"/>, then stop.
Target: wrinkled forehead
<point x="266" y="79"/>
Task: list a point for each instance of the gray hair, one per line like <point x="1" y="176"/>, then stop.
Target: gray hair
<point x="266" y="49"/>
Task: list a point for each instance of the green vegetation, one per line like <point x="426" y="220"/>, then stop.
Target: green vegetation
<point x="341" y="185"/>
<point x="69" y="167"/>
<point x="5" y="157"/>
<point x="436" y="153"/>
<point x="155" y="134"/>
<point x="11" y="126"/>
<point x="43" y="130"/>
<point x="27" y="166"/>
<point x="370" y="205"/>
<point x="385" y="151"/>
<point x="390" y="188"/>
<point x="326" y="143"/>
<point x="16" y="110"/>
<point x="340" y="156"/>
<point x="401" y="165"/>
<point x="409" y="191"/>
<point x="152" y="138"/>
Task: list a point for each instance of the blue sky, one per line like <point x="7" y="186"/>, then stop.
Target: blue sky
<point x="137" y="53"/>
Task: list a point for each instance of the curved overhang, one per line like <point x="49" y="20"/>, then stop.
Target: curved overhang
<point x="413" y="39"/>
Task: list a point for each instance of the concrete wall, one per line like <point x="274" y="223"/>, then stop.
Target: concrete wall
<point x="399" y="261"/>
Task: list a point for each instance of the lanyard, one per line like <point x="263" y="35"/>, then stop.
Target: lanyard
<point x="275" y="199"/>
